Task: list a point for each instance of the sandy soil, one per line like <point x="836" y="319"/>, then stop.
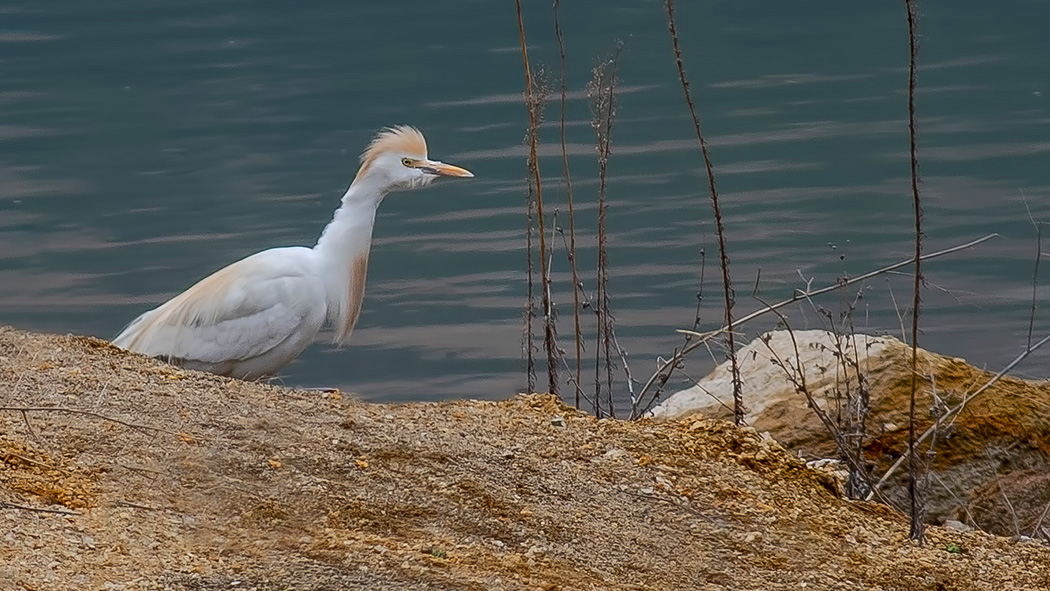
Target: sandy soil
<point x="143" y="476"/>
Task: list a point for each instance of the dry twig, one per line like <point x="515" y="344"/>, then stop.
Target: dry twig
<point x="1035" y="271"/>
<point x="602" y="91"/>
<point x="799" y="295"/>
<point x="7" y="505"/>
<point x="917" y="523"/>
<point x="534" y="168"/>
<point x="137" y="427"/>
<point x="738" y="402"/>
<point x="572" y="212"/>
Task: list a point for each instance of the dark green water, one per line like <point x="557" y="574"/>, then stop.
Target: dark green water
<point x="146" y="144"/>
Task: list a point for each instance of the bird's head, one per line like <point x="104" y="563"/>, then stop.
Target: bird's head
<point x="396" y="160"/>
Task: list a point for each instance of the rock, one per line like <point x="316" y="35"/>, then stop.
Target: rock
<point x="1014" y="503"/>
<point x="1003" y="433"/>
<point x="957" y="525"/>
<point x="766" y="367"/>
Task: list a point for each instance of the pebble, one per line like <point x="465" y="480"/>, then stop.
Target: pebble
<point x="957" y="525"/>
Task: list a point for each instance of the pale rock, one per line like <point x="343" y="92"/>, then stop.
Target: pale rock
<point x="767" y="366"/>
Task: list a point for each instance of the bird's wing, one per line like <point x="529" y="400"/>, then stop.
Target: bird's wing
<point x="236" y="313"/>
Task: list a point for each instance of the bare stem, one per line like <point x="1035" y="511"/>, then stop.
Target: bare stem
<point x="1035" y="279"/>
<point x="738" y="401"/>
<point x="530" y="299"/>
<point x="799" y="295"/>
<point x="639" y="408"/>
<point x="62" y="409"/>
<point x="796" y="374"/>
<point x="917" y="529"/>
<point x="572" y="213"/>
<point x="6" y="505"/>
<point x="1035" y="271"/>
<point x="603" y="93"/>
<point x="534" y="165"/>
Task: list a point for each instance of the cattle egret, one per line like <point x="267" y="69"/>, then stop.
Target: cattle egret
<point x="250" y="319"/>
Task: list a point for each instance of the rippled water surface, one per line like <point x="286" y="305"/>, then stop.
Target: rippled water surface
<point x="144" y="145"/>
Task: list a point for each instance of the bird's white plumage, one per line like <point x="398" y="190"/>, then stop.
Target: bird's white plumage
<point x="239" y="317"/>
<point x="250" y="319"/>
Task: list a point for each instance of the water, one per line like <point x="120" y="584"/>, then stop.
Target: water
<point x="144" y="145"/>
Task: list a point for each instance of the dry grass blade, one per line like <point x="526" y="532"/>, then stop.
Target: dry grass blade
<point x="1038" y="529"/>
<point x="22" y="458"/>
<point x="1009" y="505"/>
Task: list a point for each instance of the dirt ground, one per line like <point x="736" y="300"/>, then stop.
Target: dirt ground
<point x="119" y="472"/>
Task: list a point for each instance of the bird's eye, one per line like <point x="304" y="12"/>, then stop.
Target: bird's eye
<point x="406" y="161"/>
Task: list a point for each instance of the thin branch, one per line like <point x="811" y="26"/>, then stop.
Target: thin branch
<point x="548" y="340"/>
<point x="917" y="524"/>
<point x="529" y="313"/>
<point x="29" y="426"/>
<point x="7" y="505"/>
<point x="797" y="376"/>
<point x="36" y="463"/>
<point x="710" y="394"/>
<point x="900" y="317"/>
<point x="1035" y="271"/>
<point x="662" y="381"/>
<point x="609" y="331"/>
<point x="738" y="401"/>
<point x="799" y="295"/>
<point x="699" y="295"/>
<point x="16" y="388"/>
<point x="1036" y="530"/>
<point x="626" y="367"/>
<point x="961" y="504"/>
<point x="572" y="214"/>
<point x="587" y="303"/>
<point x="1009" y="505"/>
<point x="137" y="506"/>
<point x="601" y="91"/>
<point x="138" y="427"/>
<point x="556" y="353"/>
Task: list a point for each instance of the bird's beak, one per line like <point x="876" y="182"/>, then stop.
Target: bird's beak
<point x="442" y="169"/>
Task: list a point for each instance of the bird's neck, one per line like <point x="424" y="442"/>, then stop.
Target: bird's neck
<point x="342" y="251"/>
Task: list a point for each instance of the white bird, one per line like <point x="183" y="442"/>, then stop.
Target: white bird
<point x="253" y="317"/>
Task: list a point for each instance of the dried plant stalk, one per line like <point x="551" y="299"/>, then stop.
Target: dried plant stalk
<point x="572" y="212"/>
<point x="534" y="102"/>
<point x="916" y="510"/>
<point x="738" y="400"/>
<point x="602" y="92"/>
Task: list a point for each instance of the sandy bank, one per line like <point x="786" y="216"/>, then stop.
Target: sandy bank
<point x="157" y="478"/>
